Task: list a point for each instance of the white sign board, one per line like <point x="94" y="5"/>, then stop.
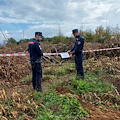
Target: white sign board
<point x="64" y="55"/>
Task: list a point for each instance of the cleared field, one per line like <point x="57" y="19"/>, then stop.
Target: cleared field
<point x="97" y="97"/>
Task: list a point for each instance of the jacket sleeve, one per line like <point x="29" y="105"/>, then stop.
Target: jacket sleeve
<point x="38" y="49"/>
<point x="73" y="48"/>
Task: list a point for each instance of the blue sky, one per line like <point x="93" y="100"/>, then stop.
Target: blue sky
<point x="48" y="16"/>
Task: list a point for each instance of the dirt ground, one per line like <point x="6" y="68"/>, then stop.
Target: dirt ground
<point x="96" y="112"/>
<point x="115" y="81"/>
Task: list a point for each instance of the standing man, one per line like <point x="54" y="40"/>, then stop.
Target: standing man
<point x="35" y="52"/>
<point x="78" y="52"/>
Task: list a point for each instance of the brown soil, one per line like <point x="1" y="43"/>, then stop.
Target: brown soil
<point x="115" y="81"/>
<point x="117" y="84"/>
<point x="62" y="90"/>
<point x="96" y="112"/>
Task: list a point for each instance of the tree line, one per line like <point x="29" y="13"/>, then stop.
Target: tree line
<point x="99" y="35"/>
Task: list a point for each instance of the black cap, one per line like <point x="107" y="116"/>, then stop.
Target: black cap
<point x="38" y="33"/>
<point x="74" y="31"/>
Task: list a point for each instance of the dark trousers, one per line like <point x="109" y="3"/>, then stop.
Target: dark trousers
<point x="79" y="64"/>
<point x="36" y="75"/>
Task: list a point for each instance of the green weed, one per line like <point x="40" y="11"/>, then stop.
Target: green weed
<point x="60" y="72"/>
<point x="27" y="79"/>
<point x="49" y="71"/>
<point x="91" y="83"/>
<point x="62" y="107"/>
<point x="64" y="71"/>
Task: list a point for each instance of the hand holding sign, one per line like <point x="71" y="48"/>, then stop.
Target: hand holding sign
<point x="70" y="55"/>
<point x="69" y="51"/>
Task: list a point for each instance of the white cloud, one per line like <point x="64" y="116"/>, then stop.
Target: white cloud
<point x="48" y="15"/>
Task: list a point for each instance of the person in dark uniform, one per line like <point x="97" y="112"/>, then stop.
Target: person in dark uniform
<point x="35" y="52"/>
<point x="78" y="52"/>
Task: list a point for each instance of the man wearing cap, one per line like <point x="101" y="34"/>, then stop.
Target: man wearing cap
<point x="78" y="52"/>
<point x="35" y="52"/>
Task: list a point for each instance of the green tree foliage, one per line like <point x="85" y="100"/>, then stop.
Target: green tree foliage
<point x="47" y="39"/>
<point x="100" y="35"/>
<point x="24" y="41"/>
<point x="11" y="42"/>
<point x="89" y="36"/>
<point x="58" y="39"/>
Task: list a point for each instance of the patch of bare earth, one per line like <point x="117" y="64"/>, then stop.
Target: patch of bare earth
<point x="96" y="112"/>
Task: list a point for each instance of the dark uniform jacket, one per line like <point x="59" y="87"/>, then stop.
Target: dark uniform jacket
<point x="34" y="50"/>
<point x="78" y="46"/>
